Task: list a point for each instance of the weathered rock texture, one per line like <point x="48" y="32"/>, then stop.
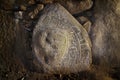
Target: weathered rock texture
<point x="105" y="34"/>
<point x="77" y="6"/>
<point x="105" y="40"/>
<point x="60" y="43"/>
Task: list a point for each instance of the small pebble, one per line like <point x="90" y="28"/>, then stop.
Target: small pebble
<point x="31" y="2"/>
<point x="36" y="11"/>
<point x="87" y="26"/>
<point x="23" y="78"/>
<point x="19" y="14"/>
<point x="22" y="7"/>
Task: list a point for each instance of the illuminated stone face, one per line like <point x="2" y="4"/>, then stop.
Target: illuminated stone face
<point x="60" y="43"/>
<point x="55" y="43"/>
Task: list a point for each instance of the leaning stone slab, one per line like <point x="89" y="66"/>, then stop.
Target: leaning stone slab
<point x="60" y="43"/>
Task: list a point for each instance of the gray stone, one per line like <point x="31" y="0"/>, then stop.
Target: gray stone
<point x="60" y="43"/>
<point x="117" y="7"/>
<point x="106" y="34"/>
<point x="85" y="22"/>
<point x="77" y="6"/>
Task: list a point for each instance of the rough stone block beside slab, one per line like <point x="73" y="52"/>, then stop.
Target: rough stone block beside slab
<point x="60" y="43"/>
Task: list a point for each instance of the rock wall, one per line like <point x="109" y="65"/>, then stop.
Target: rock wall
<point x="105" y="33"/>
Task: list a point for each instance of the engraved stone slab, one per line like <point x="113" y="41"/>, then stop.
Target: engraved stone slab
<point x="60" y="43"/>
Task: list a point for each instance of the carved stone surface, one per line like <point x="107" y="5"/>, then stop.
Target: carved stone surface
<point x="60" y="43"/>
